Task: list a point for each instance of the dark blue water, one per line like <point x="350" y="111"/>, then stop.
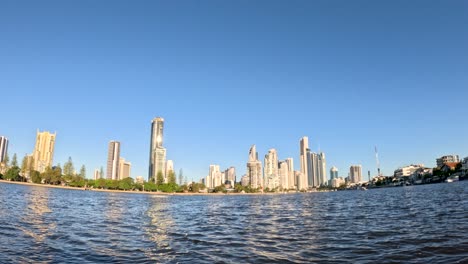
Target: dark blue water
<point x="418" y="224"/>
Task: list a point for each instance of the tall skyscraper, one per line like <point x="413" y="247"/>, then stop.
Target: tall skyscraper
<point x="355" y="173"/>
<point x="113" y="159"/>
<point x="322" y="168"/>
<point x="231" y="175"/>
<point x="254" y="169"/>
<point x="283" y="173"/>
<point x="124" y="169"/>
<point x="333" y="173"/>
<point x="292" y="180"/>
<point x="44" y="150"/>
<point x="313" y="170"/>
<point x="270" y="169"/>
<point x="3" y="148"/>
<point x="304" y="176"/>
<point x="214" y="177"/>
<point x="157" y="157"/>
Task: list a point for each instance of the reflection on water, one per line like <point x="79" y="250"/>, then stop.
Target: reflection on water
<point x="425" y="224"/>
<point x="37" y="206"/>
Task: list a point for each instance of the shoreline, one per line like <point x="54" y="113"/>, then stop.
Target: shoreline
<point x="132" y="192"/>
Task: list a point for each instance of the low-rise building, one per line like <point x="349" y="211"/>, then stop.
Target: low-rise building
<point x="465" y="166"/>
<point x="407" y="170"/>
<point x="139" y="179"/>
<point x="447" y="158"/>
<point x="449" y="166"/>
<point x="337" y="182"/>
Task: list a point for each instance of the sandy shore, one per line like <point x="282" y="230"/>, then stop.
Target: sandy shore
<point x="130" y="192"/>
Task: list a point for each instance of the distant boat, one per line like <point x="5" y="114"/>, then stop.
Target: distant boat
<point x="452" y="179"/>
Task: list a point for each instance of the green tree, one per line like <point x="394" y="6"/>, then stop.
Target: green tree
<point x="83" y="172"/>
<point x="35" y="176"/>
<point x="149" y="186"/>
<point x="13" y="174"/>
<point x="68" y="168"/>
<point x="159" y="178"/>
<point x="56" y="177"/>
<point x="14" y="161"/>
<point x="7" y="160"/>
<point x="126" y="184"/>
<point x="47" y="175"/>
<point x="171" y="178"/>
<point x="24" y="164"/>
<point x="100" y="183"/>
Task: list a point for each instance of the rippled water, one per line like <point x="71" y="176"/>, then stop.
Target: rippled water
<point x="420" y="224"/>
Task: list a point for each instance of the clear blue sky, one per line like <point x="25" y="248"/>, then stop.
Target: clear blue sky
<point x="229" y="74"/>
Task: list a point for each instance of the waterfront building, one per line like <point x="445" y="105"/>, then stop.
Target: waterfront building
<point x="254" y="169"/>
<point x="169" y="168"/>
<point x="305" y="167"/>
<point x="283" y="174"/>
<point x="214" y="177"/>
<point x="44" y="150"/>
<point x="245" y="180"/>
<point x="97" y="174"/>
<point x="157" y="156"/>
<point x="313" y="169"/>
<point x="322" y="169"/>
<point x="446" y="159"/>
<point x="3" y="148"/>
<point x="333" y="172"/>
<point x="465" y="166"/>
<point x="317" y="169"/>
<point x="337" y="182"/>
<point x="113" y="159"/>
<point x="291" y="180"/>
<point x="230" y="175"/>
<point x="355" y="173"/>
<point x="124" y="169"/>
<point x="270" y="169"/>
<point x="140" y="179"/>
<point x="407" y="170"/>
<point x="298" y="176"/>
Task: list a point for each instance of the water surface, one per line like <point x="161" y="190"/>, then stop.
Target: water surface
<point x="417" y="224"/>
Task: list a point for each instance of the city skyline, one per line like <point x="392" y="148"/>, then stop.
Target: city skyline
<point x="253" y="74"/>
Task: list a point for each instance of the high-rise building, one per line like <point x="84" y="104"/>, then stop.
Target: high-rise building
<point x="44" y="150"/>
<point x="124" y="169"/>
<point x="291" y="180"/>
<point x="304" y="176"/>
<point x="270" y="169"/>
<point x="322" y="166"/>
<point x="245" y="180"/>
<point x="333" y="173"/>
<point x="157" y="157"/>
<point x="169" y="169"/>
<point x="355" y="173"/>
<point x="317" y="169"/>
<point x="446" y="159"/>
<point x="283" y="174"/>
<point x="254" y="169"/>
<point x="214" y="177"/>
<point x="3" y="148"/>
<point x="97" y="174"/>
<point x="313" y="171"/>
<point x="113" y="159"/>
<point x="230" y="175"/>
